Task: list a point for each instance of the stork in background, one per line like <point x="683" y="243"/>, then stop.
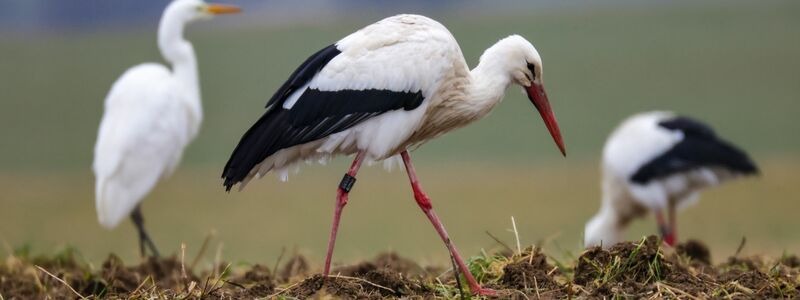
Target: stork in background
<point x="151" y="114"/>
<point x="658" y="161"/>
<point x="392" y="85"/>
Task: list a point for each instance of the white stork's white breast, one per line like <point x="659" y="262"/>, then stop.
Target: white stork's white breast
<point x="405" y="53"/>
<point x="637" y="141"/>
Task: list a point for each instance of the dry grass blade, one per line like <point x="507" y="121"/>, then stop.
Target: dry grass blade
<point x="203" y="248"/>
<point x="183" y="260"/>
<point x="62" y="281"/>
<point x="367" y="282"/>
<point x="218" y="259"/>
<point x="501" y="243"/>
<point x="288" y="288"/>
<point x="142" y="284"/>
<point x="672" y="289"/>
<point x="516" y="235"/>
<point x="741" y="247"/>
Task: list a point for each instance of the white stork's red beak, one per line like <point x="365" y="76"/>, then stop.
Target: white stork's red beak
<point x="538" y="97"/>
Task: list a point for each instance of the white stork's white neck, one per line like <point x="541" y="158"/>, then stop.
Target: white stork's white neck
<point x="487" y="86"/>
<point x="490" y="79"/>
<point x="177" y="50"/>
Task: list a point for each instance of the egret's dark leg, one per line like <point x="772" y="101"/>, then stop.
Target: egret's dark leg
<point x="341" y="200"/>
<point x="425" y="204"/>
<point x="144" y="238"/>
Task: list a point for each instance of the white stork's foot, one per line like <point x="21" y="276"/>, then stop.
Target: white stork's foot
<point x="485" y="292"/>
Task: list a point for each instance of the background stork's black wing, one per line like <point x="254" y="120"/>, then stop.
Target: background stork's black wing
<point x="700" y="147"/>
<point x="315" y="115"/>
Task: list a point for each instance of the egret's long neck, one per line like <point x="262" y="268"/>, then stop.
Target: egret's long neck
<point x="178" y="51"/>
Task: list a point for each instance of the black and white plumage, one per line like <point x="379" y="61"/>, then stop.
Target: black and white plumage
<point x="298" y="114"/>
<point x="375" y="89"/>
<point x="659" y="161"/>
<point x="389" y="86"/>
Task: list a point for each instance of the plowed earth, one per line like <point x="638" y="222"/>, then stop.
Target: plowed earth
<point x="639" y="269"/>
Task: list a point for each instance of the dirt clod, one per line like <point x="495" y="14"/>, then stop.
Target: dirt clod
<point x="695" y="250"/>
<point x="531" y="273"/>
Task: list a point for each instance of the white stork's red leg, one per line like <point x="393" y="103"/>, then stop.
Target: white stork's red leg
<point x="425" y="204"/>
<point x="341" y="200"/>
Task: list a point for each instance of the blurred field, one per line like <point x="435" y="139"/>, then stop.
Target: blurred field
<point x="734" y="66"/>
<point x="548" y="201"/>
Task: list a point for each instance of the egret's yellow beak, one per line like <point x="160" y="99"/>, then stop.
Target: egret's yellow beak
<point x="217" y="9"/>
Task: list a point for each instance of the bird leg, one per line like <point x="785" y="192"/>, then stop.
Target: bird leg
<point x="425" y="204"/>
<point x="342" y="191"/>
<point x="666" y="230"/>
<point x="673" y="224"/>
<point x="144" y="238"/>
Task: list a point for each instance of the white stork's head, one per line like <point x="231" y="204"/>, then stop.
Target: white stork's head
<point x="185" y="11"/>
<point x="517" y="60"/>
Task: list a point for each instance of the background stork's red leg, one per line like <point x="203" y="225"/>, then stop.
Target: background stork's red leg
<point x="673" y="224"/>
<point x="341" y="200"/>
<point x="665" y="229"/>
<point x="424" y="202"/>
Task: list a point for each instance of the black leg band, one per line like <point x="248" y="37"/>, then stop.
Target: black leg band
<point x="347" y="183"/>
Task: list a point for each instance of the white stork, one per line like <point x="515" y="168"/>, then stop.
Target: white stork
<point x="658" y="161"/>
<point x="389" y="86"/>
<point x="151" y="114"/>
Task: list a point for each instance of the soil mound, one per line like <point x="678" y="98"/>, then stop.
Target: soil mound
<point x="639" y="269"/>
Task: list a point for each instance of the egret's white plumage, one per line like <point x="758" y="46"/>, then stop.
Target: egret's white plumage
<point x="658" y="161"/>
<point x="151" y="114"/>
<point x="148" y="120"/>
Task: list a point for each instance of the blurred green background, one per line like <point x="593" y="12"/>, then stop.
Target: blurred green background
<point x="734" y="65"/>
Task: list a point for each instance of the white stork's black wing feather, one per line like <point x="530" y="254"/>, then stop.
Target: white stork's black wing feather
<point x="315" y="115"/>
<point x="303" y="74"/>
<point x="700" y="147"/>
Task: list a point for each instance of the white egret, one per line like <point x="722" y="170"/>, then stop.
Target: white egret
<point x="151" y="113"/>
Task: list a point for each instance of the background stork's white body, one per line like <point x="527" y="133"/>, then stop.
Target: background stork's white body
<point x="151" y="114"/>
<point x="650" y="165"/>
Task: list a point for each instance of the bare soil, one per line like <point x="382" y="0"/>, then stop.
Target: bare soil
<point x="638" y="269"/>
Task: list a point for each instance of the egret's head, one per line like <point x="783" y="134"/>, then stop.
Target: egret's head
<point x="515" y="57"/>
<point x="191" y="10"/>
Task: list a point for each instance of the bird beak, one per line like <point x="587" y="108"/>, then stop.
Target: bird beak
<point x="217" y="9"/>
<point x="539" y="99"/>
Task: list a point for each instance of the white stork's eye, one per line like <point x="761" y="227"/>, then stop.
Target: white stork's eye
<point x="532" y="68"/>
